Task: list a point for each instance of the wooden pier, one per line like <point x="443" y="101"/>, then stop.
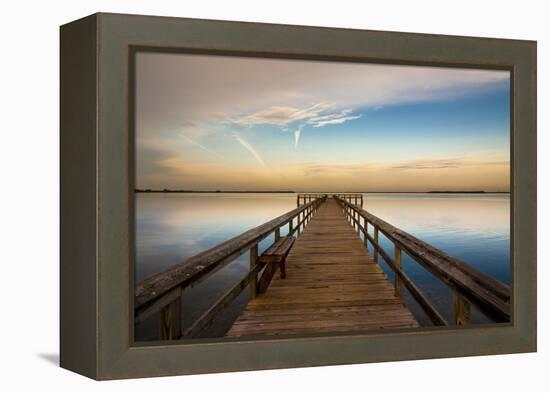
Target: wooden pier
<point x="333" y="284"/>
<point x="328" y="279"/>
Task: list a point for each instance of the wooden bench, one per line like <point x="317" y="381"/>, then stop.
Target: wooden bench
<point x="274" y="256"/>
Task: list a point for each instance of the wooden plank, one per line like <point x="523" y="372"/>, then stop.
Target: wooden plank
<point x="333" y="285"/>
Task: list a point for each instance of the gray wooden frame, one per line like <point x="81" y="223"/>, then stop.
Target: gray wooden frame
<point x="97" y="175"/>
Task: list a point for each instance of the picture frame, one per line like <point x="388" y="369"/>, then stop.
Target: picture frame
<point x="97" y="155"/>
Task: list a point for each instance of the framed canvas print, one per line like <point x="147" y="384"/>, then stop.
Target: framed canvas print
<point x="241" y="196"/>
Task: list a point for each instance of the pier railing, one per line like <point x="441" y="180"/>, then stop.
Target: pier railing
<point x="162" y="292"/>
<point x="470" y="286"/>
<point x="355" y="198"/>
<point x="302" y="199"/>
<point x="352" y="198"/>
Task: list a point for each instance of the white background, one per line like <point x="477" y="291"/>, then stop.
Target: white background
<point x="29" y="165"/>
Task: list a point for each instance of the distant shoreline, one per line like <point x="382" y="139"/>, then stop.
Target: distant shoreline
<point x="168" y="191"/>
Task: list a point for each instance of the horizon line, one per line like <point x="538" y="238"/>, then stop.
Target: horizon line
<point x="167" y="190"/>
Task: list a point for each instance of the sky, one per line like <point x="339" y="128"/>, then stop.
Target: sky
<point x="208" y="122"/>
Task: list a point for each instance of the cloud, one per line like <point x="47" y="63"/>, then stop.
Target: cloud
<point x="332" y="119"/>
<point x="205" y="90"/>
<point x="281" y="115"/>
<point x="357" y="175"/>
<point x="429" y="164"/>
<point x="200" y="95"/>
<point x="250" y="148"/>
<point x="297" y="134"/>
<point x="317" y="115"/>
<point x="446" y="163"/>
<point x="195" y="143"/>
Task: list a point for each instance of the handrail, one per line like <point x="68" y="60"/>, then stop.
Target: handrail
<point x="308" y="197"/>
<point x="357" y="198"/>
<point x="159" y="291"/>
<point x="490" y="296"/>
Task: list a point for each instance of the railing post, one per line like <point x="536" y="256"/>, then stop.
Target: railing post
<point x="253" y="262"/>
<point x="170" y="321"/>
<point x="461" y="309"/>
<point x="376" y="243"/>
<point x="366" y="226"/>
<point x="290" y="226"/>
<point x="398" y="264"/>
<point x="277" y="233"/>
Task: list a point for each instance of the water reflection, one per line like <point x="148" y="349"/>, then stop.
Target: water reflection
<point x="173" y="227"/>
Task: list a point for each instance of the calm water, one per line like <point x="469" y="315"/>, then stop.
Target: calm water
<point x="172" y="227"/>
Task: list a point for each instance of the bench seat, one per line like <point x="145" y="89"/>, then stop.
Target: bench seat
<point x="274" y="257"/>
<point x="278" y="251"/>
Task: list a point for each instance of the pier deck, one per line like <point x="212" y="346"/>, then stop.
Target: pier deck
<point x="332" y="284"/>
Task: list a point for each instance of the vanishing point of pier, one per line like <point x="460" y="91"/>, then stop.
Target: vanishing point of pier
<point x="321" y="274"/>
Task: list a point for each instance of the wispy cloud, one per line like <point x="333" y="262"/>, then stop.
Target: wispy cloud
<point x="332" y="119"/>
<point x="297" y="134"/>
<point x="445" y="163"/>
<point x="317" y="115"/>
<point x="195" y="143"/>
<point x="280" y="115"/>
<point x="250" y="148"/>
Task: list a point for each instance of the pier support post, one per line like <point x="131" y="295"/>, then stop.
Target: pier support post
<point x="170" y="321"/>
<point x="461" y="309"/>
<point x="398" y="264"/>
<point x="253" y="262"/>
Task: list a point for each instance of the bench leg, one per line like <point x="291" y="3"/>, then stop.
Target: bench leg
<point x="283" y="268"/>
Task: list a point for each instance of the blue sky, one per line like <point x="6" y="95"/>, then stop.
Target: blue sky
<point x="213" y="122"/>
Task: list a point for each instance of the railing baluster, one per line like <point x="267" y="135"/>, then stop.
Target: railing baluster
<point x="397" y="261"/>
<point x="170" y="321"/>
<point x="366" y="226"/>
<point x="461" y="309"/>
<point x="253" y="262"/>
<point x="376" y="242"/>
